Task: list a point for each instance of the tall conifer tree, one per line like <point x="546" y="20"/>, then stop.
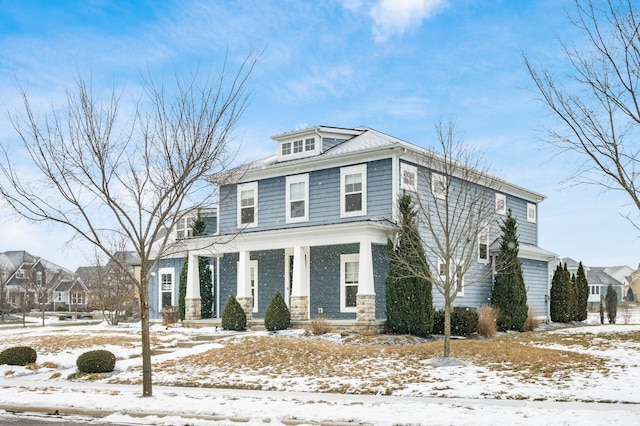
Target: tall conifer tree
<point x="509" y="293"/>
<point x="409" y="302"/>
<point x="583" y="292"/>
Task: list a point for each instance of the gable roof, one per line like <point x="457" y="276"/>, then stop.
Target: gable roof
<point x="363" y="144"/>
<point x="598" y="276"/>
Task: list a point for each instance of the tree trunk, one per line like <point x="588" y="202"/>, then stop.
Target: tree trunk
<point x="447" y="329"/>
<point x="146" y="346"/>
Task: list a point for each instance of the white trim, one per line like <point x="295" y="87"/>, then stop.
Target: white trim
<point x="483" y="238"/>
<point x="252" y="186"/>
<point x="253" y="273"/>
<point x="501" y="203"/>
<point x="172" y="273"/>
<point x="532" y="213"/>
<point x="408" y="169"/>
<point x="349" y="171"/>
<point x="438" y="185"/>
<point x="344" y="259"/>
<point x="304" y="179"/>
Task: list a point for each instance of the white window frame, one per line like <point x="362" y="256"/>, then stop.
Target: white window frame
<point x="298" y="146"/>
<point x="170" y="272"/>
<point x="344" y="259"/>
<point x="483" y="239"/>
<point x="408" y="169"/>
<point x="285" y="149"/>
<point x="252" y="186"/>
<point x="304" y="179"/>
<point x="253" y="277"/>
<point x="438" y="181"/>
<point x="454" y="265"/>
<point x="347" y="171"/>
<point x="596" y="292"/>
<point x="501" y="203"/>
<point x="184" y="227"/>
<point x="532" y="215"/>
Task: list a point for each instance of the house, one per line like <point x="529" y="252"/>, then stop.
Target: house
<point x="313" y="221"/>
<point x="27" y="280"/>
<point x="599" y="278"/>
<point x="635" y="283"/>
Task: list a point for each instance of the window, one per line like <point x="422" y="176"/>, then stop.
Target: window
<point x="286" y="148"/>
<point x="349" y="270"/>
<point x="438" y="185"/>
<point x="297" y="198"/>
<point x="353" y="188"/>
<point x="310" y="144"/>
<point x="483" y="245"/>
<point x="39" y="278"/>
<point x="21" y="274"/>
<point x="184" y="227"/>
<point x="501" y="203"/>
<point x="297" y="146"/>
<point x="253" y="277"/>
<point x="166" y="287"/>
<point x="595" y="290"/>
<point x="408" y="177"/>
<point x="531" y="212"/>
<point x="77" y="298"/>
<point x="247" y="205"/>
<point x="455" y="274"/>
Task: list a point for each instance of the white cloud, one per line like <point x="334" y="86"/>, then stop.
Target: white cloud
<point x="396" y="16"/>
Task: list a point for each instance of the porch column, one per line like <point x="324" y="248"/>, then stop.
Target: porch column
<point x="299" y="287"/>
<point x="244" y="297"/>
<point x="192" y="302"/>
<point x="366" y="297"/>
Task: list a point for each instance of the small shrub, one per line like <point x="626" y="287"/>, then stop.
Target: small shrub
<point x="98" y="361"/>
<point x="32" y="366"/>
<point x="464" y="322"/>
<point x="487" y="321"/>
<point x="277" y="316"/>
<point x="18" y="355"/>
<point x="169" y="315"/>
<point x="9" y="372"/>
<point x="318" y="326"/>
<point x="531" y="323"/>
<point x="233" y="316"/>
<point x="55" y="375"/>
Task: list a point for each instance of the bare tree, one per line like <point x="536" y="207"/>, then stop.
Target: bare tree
<point x="110" y="175"/>
<point x="597" y="102"/>
<point x="455" y="208"/>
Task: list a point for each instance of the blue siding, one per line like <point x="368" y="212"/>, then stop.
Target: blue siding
<point x="154" y="287"/>
<point x="536" y="281"/>
<point x="270" y="277"/>
<point x="324" y="199"/>
<point x="527" y="231"/>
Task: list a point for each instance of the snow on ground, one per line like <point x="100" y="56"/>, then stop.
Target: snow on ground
<point x="467" y="394"/>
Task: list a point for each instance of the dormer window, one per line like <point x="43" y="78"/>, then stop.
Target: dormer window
<point x="298" y="148"/>
<point x="184" y="227"/>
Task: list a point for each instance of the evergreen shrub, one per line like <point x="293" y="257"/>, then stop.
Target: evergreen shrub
<point x="464" y="321"/>
<point x="18" y="355"/>
<point x="98" y="361"/>
<point x="611" y="299"/>
<point x="233" y="316"/>
<point x="277" y="316"/>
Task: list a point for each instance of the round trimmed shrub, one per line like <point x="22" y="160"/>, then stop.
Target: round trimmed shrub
<point x="277" y="316"/>
<point x="18" y="355"/>
<point x="233" y="316"/>
<point x="98" y="361"/>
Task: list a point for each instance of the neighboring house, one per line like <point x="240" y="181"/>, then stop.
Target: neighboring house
<point x="70" y="294"/>
<point x="28" y="279"/>
<point x="599" y="279"/>
<point x="312" y="222"/>
<point x="635" y="283"/>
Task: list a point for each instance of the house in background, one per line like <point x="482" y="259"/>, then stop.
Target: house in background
<point x="312" y="222"/>
<point x="635" y="283"/>
<point x="28" y="279"/>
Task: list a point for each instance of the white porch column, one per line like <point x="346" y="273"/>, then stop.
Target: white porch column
<point x="192" y="298"/>
<point x="243" y="289"/>
<point x="366" y="297"/>
<point x="299" y="287"/>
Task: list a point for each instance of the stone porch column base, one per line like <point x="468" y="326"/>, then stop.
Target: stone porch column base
<point x="299" y="308"/>
<point x="366" y="305"/>
<point x="247" y="306"/>
<point x="192" y="309"/>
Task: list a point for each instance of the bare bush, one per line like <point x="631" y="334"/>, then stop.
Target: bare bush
<point x="318" y="326"/>
<point x="487" y="316"/>
<point x="169" y="315"/>
<point x="531" y="323"/>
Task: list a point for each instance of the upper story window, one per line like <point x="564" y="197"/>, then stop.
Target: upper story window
<point x="408" y="177"/>
<point x="353" y="191"/>
<point x="297" y="192"/>
<point x="298" y="148"/>
<point x="39" y="278"/>
<point x="455" y="275"/>
<point x="21" y="273"/>
<point x="531" y="212"/>
<point x="248" y="205"/>
<point x="438" y="185"/>
<point x="501" y="203"/>
<point x="184" y="227"/>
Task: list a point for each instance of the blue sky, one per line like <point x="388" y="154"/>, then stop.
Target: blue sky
<point x="397" y="66"/>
